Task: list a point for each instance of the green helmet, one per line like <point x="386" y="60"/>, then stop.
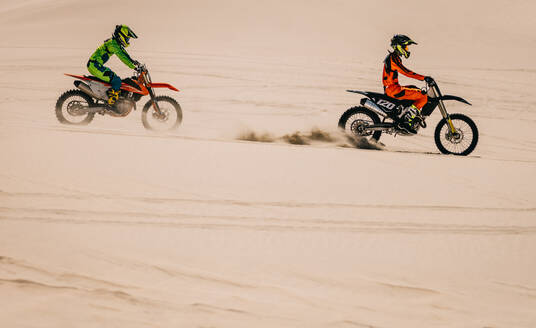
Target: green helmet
<point x="400" y="44"/>
<point x="122" y="35"/>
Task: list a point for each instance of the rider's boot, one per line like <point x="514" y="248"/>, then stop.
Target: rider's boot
<point x="412" y="119"/>
<point x="113" y="95"/>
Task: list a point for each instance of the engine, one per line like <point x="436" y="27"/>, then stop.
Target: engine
<point x="124" y="106"/>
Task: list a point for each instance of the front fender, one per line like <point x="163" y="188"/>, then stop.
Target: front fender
<point x="163" y="85"/>
<point x="450" y="97"/>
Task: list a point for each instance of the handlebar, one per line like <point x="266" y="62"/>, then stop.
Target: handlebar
<point x="430" y="83"/>
<point x="140" y="68"/>
<point x="429" y="80"/>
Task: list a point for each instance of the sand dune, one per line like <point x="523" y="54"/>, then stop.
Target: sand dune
<point x="290" y="225"/>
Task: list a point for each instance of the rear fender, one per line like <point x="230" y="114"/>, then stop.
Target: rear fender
<point x="80" y="77"/>
<point x="364" y="93"/>
<point x="163" y="85"/>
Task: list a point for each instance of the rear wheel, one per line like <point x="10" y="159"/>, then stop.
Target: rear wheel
<point x="355" y="121"/>
<point x="169" y="119"/>
<point x="463" y="141"/>
<point x="72" y="108"/>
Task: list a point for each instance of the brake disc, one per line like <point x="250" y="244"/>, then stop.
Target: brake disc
<point x="455" y="137"/>
<point x="163" y="116"/>
<point x="358" y="127"/>
<point x="75" y="108"/>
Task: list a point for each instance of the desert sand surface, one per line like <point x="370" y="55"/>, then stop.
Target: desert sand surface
<point x="110" y="225"/>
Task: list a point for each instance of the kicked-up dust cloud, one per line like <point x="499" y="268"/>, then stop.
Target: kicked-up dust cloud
<point x="315" y="136"/>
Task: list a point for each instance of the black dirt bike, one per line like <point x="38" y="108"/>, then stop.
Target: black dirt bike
<point x="455" y="134"/>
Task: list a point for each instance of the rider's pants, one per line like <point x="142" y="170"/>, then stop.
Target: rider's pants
<point x="399" y="92"/>
<point x="104" y="73"/>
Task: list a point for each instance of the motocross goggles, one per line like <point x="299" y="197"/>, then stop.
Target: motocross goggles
<point x="124" y="34"/>
<point x="403" y="50"/>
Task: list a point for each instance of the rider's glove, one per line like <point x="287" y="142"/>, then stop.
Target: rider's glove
<point x="139" y="66"/>
<point x="429" y="80"/>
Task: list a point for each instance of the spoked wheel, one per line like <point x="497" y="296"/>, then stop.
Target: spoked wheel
<point x="169" y="119"/>
<point x="355" y="120"/>
<point x="72" y="108"/>
<point x="463" y="141"/>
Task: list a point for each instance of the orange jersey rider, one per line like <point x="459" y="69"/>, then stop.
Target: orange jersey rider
<point x="392" y="66"/>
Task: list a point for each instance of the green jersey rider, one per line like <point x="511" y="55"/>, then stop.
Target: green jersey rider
<point x="114" y="46"/>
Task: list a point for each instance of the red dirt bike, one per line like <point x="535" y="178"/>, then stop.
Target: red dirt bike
<point x="79" y="106"/>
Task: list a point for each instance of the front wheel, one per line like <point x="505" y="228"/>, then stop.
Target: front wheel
<point x="170" y="116"/>
<point x="463" y="141"/>
<point x="356" y="120"/>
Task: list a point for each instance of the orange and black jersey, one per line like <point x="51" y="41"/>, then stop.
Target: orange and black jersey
<point x="393" y="65"/>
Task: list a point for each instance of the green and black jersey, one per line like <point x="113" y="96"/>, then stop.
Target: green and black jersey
<point x="109" y="48"/>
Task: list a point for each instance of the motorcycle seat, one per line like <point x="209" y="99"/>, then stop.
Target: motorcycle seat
<point x="94" y="78"/>
<point x="397" y="102"/>
<point x="128" y="81"/>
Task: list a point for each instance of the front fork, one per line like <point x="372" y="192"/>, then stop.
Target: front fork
<point x="443" y="110"/>
<point x="446" y="116"/>
<point x="155" y="103"/>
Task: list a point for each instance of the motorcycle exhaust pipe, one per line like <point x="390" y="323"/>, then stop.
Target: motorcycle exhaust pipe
<point x="373" y="107"/>
<point x="86" y="89"/>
